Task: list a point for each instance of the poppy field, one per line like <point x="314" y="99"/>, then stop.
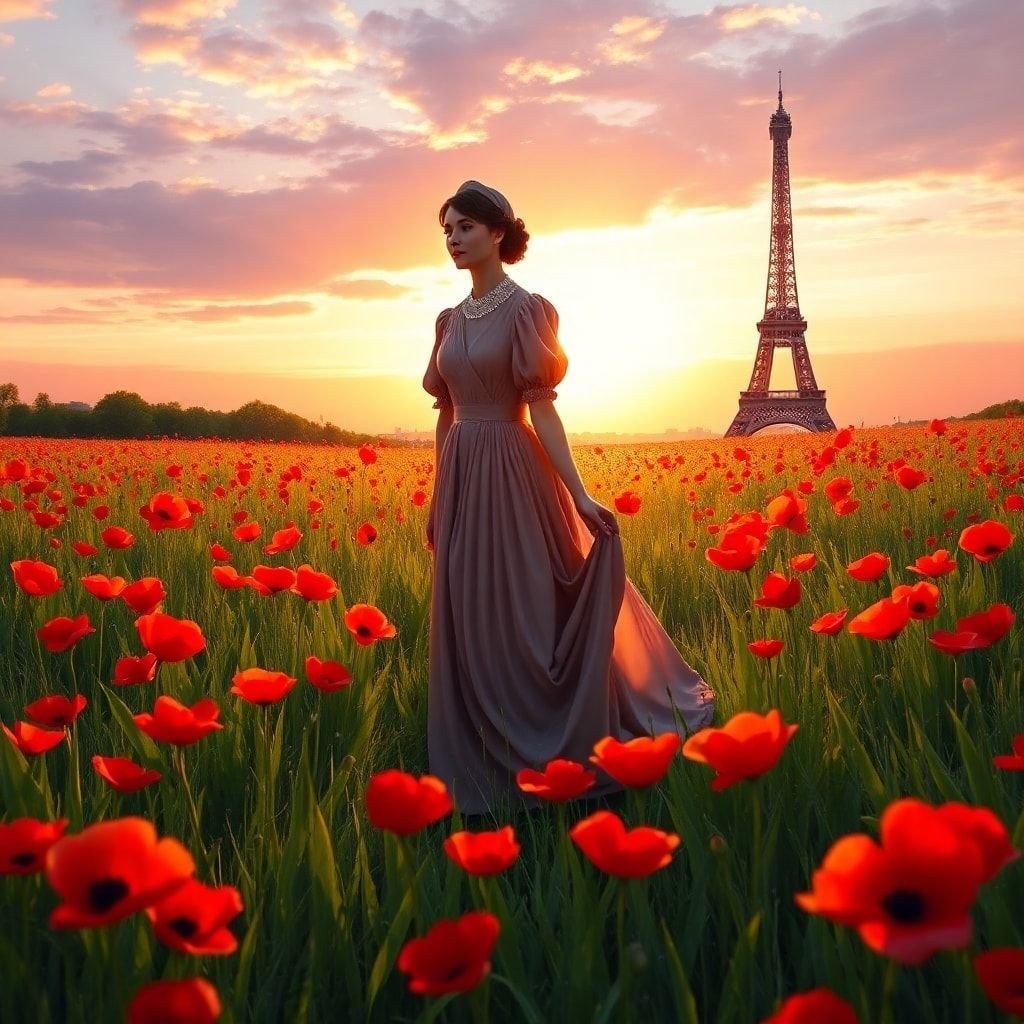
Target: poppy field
<point x="214" y="798"/>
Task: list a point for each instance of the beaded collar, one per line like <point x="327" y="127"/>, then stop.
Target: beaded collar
<point x="473" y="308"/>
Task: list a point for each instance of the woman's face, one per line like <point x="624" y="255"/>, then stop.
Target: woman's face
<point x="469" y="241"/>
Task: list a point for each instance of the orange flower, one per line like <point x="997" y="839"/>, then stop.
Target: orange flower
<point x="766" y="648"/>
<point x="803" y="562"/>
<point x="112" y="869"/>
<point x="884" y="620"/>
<point x="814" y="1007"/>
<point x="938" y="563"/>
<point x="483" y="853"/>
<point x="24" y="842"/>
<point x="560" y="781"/>
<point x="167" y="511"/>
<point x="454" y="955"/>
<point x="31" y="740"/>
<point x="170" y="639"/>
<point x="999" y="972"/>
<point x="986" y="540"/>
<point x="106" y="588"/>
<point x="123" y="774"/>
<point x="788" y="510"/>
<point x="368" y="624"/>
<point x="192" y="1000"/>
<point x="404" y="804"/>
<point x="327" y="676"/>
<point x="39" y="579"/>
<point x="990" y="625"/>
<point x="869" y="568"/>
<point x="778" y="592"/>
<point x="61" y="632"/>
<point x="173" y="722"/>
<point x="922" y="599"/>
<point x="837" y="488"/>
<point x="1012" y="762"/>
<point x="830" y="623"/>
<point x="56" y="710"/>
<point x="633" y="853"/>
<point x="313" y="585"/>
<point x="260" y="686"/>
<point x="130" y="669"/>
<point x="194" y="917"/>
<point x="748" y="745"/>
<point x="638" y="762"/>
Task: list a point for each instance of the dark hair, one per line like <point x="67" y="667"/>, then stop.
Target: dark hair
<point x="474" y="204"/>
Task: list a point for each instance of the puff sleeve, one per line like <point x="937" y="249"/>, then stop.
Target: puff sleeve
<point x="538" y="360"/>
<point x="433" y="382"/>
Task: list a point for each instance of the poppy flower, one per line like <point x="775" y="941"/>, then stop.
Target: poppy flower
<point x="327" y="676"/>
<point x="189" y="1001"/>
<point x="312" y="585"/>
<point x="938" y="563"/>
<point x="31" y="740"/>
<point x="845" y="506"/>
<point x="404" y="804"/>
<point x="170" y="639"/>
<point x="986" y="540"/>
<point x="194" y="917"/>
<point x="830" y="623"/>
<point x="748" y="745"/>
<point x="955" y="644"/>
<point x="561" y="780"/>
<point x="627" y="503"/>
<point x="123" y="774"/>
<point x="220" y="552"/>
<point x="884" y="620"/>
<point x="106" y="588"/>
<point x="625" y="853"/>
<point x="62" y="632"/>
<point x="814" y="1007"/>
<point x="638" y="762"/>
<point x="999" y="972"/>
<point x="454" y="955"/>
<point x="778" y="592"/>
<point x="227" y="577"/>
<point x="983" y="826"/>
<point x="56" y="710"/>
<point x="766" y="648"/>
<point x="922" y="599"/>
<point x="803" y="562"/>
<point x="24" y="842"/>
<point x="908" y="477"/>
<point x="788" y="511"/>
<point x="130" y="670"/>
<point x="261" y="686"/>
<point x="117" y="538"/>
<point x="990" y="625"/>
<point x="173" y="722"/>
<point x="167" y="511"/>
<point x="144" y="595"/>
<point x="837" y="488"/>
<point x="367" y="624"/>
<point x="483" y="853"/>
<point x="366" y="534"/>
<point x="738" y="556"/>
<point x="869" y="568"/>
<point x="112" y="869"/>
<point x="247" y="532"/>
<point x="283" y="540"/>
<point x="276" y="578"/>
<point x="1012" y="762"/>
<point x="909" y="895"/>
<point x="38" y="579"/>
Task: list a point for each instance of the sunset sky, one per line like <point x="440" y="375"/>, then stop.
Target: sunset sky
<point x="212" y="201"/>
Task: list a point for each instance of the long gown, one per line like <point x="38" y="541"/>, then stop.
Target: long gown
<point x="540" y="645"/>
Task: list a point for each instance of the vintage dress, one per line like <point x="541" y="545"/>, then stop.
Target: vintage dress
<point x="540" y="645"/>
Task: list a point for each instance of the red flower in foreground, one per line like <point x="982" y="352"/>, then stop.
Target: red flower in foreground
<point x="403" y="804"/>
<point x="766" y="648"/>
<point x="62" y="632"/>
<point x="170" y="639"/>
<point x="261" y="686"/>
<point x="830" y="623"/>
<point x="312" y="585"/>
<point x="803" y="562"/>
<point x="112" y="869"/>
<point x="632" y="853"/>
<point x="955" y="644"/>
<point x="32" y="740"/>
<point x="194" y="917"/>
<point x="999" y="973"/>
<point x="922" y="599"/>
<point x="748" y="745"/>
<point x="1012" y="762"/>
<point x="986" y="540"/>
<point x="55" y="710"/>
<point x="638" y="762"/>
<point x="778" y="592"/>
<point x="869" y="568"/>
<point x="818" y="1006"/>
<point x="123" y="774"/>
<point x="912" y="894"/>
<point x="24" y="842"/>
<point x="454" y="955"/>
<point x="190" y="1001"/>
<point x="990" y="625"/>
<point x="738" y="555"/>
<point x="884" y="620"/>
<point x="173" y="722"/>
<point x="368" y="624"/>
<point x="167" y="511"/>
<point x="327" y="676"/>
<point x="38" y="579"/>
<point x="938" y="563"/>
<point x="106" y="588"/>
<point x="788" y="510"/>
<point x="560" y="781"/>
<point x="483" y="853"/>
<point x="130" y="669"/>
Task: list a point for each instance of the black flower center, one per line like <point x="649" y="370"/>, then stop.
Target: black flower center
<point x="905" y="906"/>
<point x="24" y="859"/>
<point x="363" y="631"/>
<point x="184" y="926"/>
<point x="105" y="893"/>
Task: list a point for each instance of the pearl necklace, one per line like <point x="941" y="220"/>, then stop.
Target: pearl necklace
<point x="474" y="308"/>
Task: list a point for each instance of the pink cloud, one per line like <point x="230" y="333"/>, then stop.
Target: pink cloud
<point x="23" y="10"/>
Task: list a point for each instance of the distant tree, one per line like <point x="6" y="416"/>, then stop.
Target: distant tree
<point x="123" y="414"/>
<point x="8" y="399"/>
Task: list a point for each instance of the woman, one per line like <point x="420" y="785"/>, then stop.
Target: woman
<point x="539" y="643"/>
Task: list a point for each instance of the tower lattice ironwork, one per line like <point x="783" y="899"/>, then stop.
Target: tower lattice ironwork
<point x="782" y="325"/>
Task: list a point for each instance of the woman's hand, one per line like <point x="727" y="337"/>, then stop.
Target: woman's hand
<point x="596" y="516"/>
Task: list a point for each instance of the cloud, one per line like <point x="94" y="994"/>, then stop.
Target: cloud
<point x="91" y="167"/>
<point x="23" y="10"/>
<point x="212" y="313"/>
<point x="738" y="19"/>
<point x="175" y="13"/>
<point x="54" y="89"/>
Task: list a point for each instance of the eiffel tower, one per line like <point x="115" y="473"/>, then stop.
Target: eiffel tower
<point x="782" y="326"/>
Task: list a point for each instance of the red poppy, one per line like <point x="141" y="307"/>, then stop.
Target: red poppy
<point x="803" y="562"/>
<point x="62" y="632"/>
<point x="922" y="599"/>
<point x="846" y="506"/>
<point x="632" y="853"/>
<point x="909" y="478"/>
<point x="748" y="745"/>
<point x="788" y="510"/>
<point x="55" y="710"/>
<point x="220" y="552"/>
<point x="830" y="623"/>
<point x="131" y="669"/>
<point x="367" y="624"/>
<point x="106" y="588"/>
<point x="261" y="686"/>
<point x="984" y="828"/>
<point x="117" y="538"/>
<point x="190" y="1001"/>
<point x="999" y="972"/>
<point x="627" y="503"/>
<point x="837" y="488"/>
<point x="144" y="595"/>
<point x="869" y="568"/>
<point x="276" y="578"/>
<point x="283" y="540"/>
<point x="366" y="534"/>
<point x="173" y="722"/>
<point x="31" y="740"/>
<point x="955" y="644"/>
<point x="170" y="639"/>
<point x="1012" y="762"/>
<point x="194" y="917"/>
<point x="38" y="579"/>
<point x="884" y="620"/>
<point x="638" y="762"/>
<point x="990" y="625"/>
<point x="112" y="869"/>
<point x="778" y="592"/>
<point x="483" y="853"/>
<point x="938" y="563"/>
<point x="313" y="585"/>
<point x="766" y="648"/>
<point x="986" y="540"/>
<point x="404" y="804"/>
<point x="167" y="511"/>
<point x="454" y="955"/>
<point x="817" y="1006"/>
<point x="227" y="577"/>
<point x="327" y="676"/>
<point x="740" y="555"/>
<point x="24" y="842"/>
<point x="561" y="780"/>
<point x="247" y="532"/>
<point x="123" y="774"/>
